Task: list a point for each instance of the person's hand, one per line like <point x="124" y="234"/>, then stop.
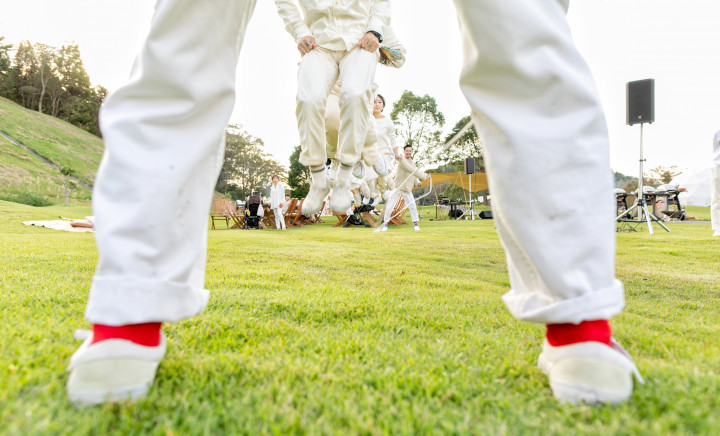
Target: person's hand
<point x="419" y="184"/>
<point x="369" y="42"/>
<point x="398" y="157"/>
<point x="306" y="44"/>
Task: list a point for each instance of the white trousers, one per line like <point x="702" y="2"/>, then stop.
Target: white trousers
<point x="318" y="73"/>
<point x="164" y="138"/>
<point x="534" y="99"/>
<point x="279" y="218"/>
<point x="532" y="96"/>
<point x="409" y="202"/>
<point x="715" y="205"/>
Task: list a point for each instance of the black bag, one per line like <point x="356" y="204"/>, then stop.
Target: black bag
<point x="355" y="219"/>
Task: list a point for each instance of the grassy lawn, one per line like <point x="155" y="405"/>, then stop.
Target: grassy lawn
<point x="52" y="138"/>
<point x="324" y="330"/>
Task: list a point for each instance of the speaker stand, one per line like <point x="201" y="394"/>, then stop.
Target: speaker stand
<point x="640" y="202"/>
<point x="470" y="212"/>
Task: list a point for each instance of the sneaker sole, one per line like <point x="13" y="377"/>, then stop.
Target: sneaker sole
<point x="110" y="380"/>
<point x="575" y="393"/>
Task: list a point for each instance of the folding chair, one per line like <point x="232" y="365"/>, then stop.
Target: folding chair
<point x="220" y="211"/>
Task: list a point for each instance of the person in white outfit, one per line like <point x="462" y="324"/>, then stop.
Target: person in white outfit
<point x="406" y="178"/>
<point x="387" y="143"/>
<point x="715" y="205"/>
<point x="336" y="40"/>
<point x="277" y="199"/>
<point x="532" y="96"/>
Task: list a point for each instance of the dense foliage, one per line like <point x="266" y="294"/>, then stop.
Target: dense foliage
<point x="51" y="81"/>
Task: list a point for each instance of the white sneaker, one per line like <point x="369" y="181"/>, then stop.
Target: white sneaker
<point x="112" y="370"/>
<point x="384" y="228"/>
<point x="590" y="372"/>
<point x="340" y="196"/>
<point x="315" y="197"/>
<point x="417" y="228"/>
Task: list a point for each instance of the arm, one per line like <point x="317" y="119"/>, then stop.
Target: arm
<point x="295" y="25"/>
<point x="378" y="19"/>
<point x="392" y="139"/>
<point x="412" y="169"/>
<point x="379" y="16"/>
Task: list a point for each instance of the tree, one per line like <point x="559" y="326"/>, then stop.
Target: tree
<point x="661" y="175"/>
<point x="299" y="176"/>
<point x="419" y="122"/>
<point x="7" y="84"/>
<point x="628" y="183"/>
<point x="469" y="145"/>
<point x="246" y="167"/>
<point x="47" y="57"/>
<point x="50" y="80"/>
<point x="68" y="185"/>
<point x="25" y="72"/>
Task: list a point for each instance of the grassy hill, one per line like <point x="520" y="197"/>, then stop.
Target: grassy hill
<point x="55" y="140"/>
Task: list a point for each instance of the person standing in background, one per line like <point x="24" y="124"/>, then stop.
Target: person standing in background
<point x="277" y="199"/>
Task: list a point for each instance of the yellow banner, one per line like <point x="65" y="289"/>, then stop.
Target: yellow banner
<point x="477" y="181"/>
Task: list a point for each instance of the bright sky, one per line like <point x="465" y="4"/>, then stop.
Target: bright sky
<point x="676" y="43"/>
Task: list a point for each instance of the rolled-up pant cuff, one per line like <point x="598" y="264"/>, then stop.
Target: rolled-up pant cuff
<point x="121" y="301"/>
<point x="542" y="308"/>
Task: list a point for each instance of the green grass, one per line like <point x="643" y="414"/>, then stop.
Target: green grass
<point x="324" y="330"/>
<point x="700" y="213"/>
<point x="54" y="139"/>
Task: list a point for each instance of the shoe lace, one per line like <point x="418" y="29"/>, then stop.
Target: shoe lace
<point x="617" y="347"/>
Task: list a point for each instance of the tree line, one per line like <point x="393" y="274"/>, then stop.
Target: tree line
<point x="52" y="81"/>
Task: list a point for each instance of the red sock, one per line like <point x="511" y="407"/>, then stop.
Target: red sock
<point x="566" y="334"/>
<point x="147" y="334"/>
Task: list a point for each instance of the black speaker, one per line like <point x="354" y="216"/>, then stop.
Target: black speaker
<point x="470" y="165"/>
<point x="640" y="101"/>
<point x="486" y="214"/>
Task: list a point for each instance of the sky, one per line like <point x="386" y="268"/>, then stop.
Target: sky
<point x="675" y="43"/>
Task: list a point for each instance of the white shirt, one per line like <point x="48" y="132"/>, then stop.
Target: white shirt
<point x="385" y="131"/>
<point x="335" y="24"/>
<point x="716" y="148"/>
<point x="277" y="195"/>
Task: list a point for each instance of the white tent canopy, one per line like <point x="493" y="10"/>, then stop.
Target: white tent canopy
<point x="697" y="184"/>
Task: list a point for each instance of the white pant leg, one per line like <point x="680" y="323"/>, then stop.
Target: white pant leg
<point x="715" y="205"/>
<point x="318" y="73"/>
<point x="279" y="218"/>
<point x="390" y="205"/>
<point x="547" y="156"/>
<point x="332" y="125"/>
<point x="410" y="203"/>
<point x="357" y="73"/>
<point x="164" y="137"/>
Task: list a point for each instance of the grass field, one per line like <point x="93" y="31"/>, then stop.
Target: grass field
<point x="55" y="140"/>
<point x="324" y="330"/>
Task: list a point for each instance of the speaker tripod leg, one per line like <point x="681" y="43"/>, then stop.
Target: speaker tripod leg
<point x="656" y="219"/>
<point x="627" y="212"/>
<point x="647" y="218"/>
